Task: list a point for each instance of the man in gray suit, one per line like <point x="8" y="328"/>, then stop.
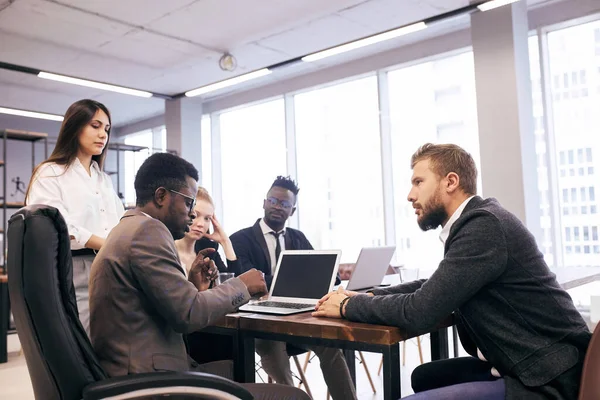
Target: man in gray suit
<point x="526" y="339"/>
<point x="140" y="299"/>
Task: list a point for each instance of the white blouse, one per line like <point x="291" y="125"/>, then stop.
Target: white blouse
<point x="88" y="204"/>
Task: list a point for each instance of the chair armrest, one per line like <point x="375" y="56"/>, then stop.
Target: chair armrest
<point x="156" y="383"/>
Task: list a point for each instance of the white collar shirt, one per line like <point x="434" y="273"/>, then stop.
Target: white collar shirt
<point x="88" y="203"/>
<point x="271" y="242"/>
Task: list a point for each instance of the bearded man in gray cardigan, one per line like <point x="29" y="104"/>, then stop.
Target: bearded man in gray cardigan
<point x="524" y="335"/>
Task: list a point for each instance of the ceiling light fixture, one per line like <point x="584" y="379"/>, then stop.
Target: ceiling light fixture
<point x="228" y="82"/>
<point x="227" y="62"/>
<point x="394" y="33"/>
<point x="490" y="5"/>
<point x="93" y="84"/>
<point x="30" y="114"/>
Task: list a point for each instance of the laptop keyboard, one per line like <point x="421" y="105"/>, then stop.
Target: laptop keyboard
<point x="279" y="304"/>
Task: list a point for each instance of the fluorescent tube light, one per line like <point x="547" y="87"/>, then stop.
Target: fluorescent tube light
<point x="92" y="84"/>
<point x="490" y="5"/>
<point x="30" y="114"/>
<point x="228" y="82"/>
<point x="365" y="42"/>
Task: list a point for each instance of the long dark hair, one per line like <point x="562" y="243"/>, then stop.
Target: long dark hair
<point x="78" y="115"/>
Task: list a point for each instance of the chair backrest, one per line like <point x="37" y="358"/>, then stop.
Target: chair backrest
<point x="59" y="355"/>
<point x="590" y="377"/>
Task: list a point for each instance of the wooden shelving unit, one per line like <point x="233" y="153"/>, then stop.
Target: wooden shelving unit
<point x="13" y="205"/>
<point x="23" y="136"/>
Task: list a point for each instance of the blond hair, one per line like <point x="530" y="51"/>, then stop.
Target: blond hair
<point x="203" y="195"/>
<point x="446" y="158"/>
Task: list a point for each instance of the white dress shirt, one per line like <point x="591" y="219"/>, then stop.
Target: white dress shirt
<point x="446" y="229"/>
<point x="88" y="204"/>
<point x="443" y="237"/>
<point x="271" y="243"/>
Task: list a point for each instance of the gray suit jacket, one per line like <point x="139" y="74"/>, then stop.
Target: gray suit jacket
<point x="508" y="304"/>
<point x="141" y="302"/>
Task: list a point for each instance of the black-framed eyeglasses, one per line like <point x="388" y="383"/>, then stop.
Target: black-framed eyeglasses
<point x="283" y="203"/>
<point x="190" y="201"/>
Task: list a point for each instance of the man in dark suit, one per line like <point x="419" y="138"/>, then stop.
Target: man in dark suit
<point x="526" y="339"/>
<point x="141" y="302"/>
<point x="259" y="247"/>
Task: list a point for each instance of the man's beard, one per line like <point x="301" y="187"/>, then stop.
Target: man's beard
<point x="433" y="217"/>
<point x="434" y="214"/>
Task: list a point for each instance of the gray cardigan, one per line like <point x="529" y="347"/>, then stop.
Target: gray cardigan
<point x="507" y="302"/>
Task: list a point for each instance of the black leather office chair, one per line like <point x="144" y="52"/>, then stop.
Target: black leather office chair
<point x="61" y="362"/>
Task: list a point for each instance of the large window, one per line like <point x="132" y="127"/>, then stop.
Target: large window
<point x="574" y="82"/>
<point x="253" y="153"/>
<point x="338" y="150"/>
<point x="339" y="167"/>
<point x="155" y="141"/>
<point x="541" y="148"/>
<point x="429" y="102"/>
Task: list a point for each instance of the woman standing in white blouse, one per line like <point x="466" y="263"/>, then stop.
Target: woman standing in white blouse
<point x="72" y="180"/>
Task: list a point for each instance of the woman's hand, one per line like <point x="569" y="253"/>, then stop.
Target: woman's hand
<point x="221" y="237"/>
<point x="219" y="234"/>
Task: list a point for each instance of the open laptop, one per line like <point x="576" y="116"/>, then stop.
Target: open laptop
<point x="370" y="267"/>
<point x="302" y="277"/>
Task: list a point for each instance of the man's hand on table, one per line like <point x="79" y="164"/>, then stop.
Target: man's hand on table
<point x="329" y="305"/>
<point x="255" y="282"/>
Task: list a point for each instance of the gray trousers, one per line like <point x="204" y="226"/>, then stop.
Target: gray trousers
<point x="276" y="363"/>
<point x="260" y="391"/>
<point x="81" y="280"/>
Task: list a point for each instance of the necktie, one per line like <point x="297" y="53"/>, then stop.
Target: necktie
<point x="277" y="246"/>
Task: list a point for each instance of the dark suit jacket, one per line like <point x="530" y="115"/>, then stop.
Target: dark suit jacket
<point x="252" y="251"/>
<point x="141" y="302"/>
<point x="508" y="304"/>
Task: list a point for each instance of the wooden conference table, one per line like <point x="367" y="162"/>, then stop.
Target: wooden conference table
<point x="303" y="329"/>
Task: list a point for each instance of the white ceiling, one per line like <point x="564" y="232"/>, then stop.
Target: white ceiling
<point x="172" y="46"/>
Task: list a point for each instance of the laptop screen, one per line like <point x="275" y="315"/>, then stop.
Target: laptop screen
<point x="305" y="276"/>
